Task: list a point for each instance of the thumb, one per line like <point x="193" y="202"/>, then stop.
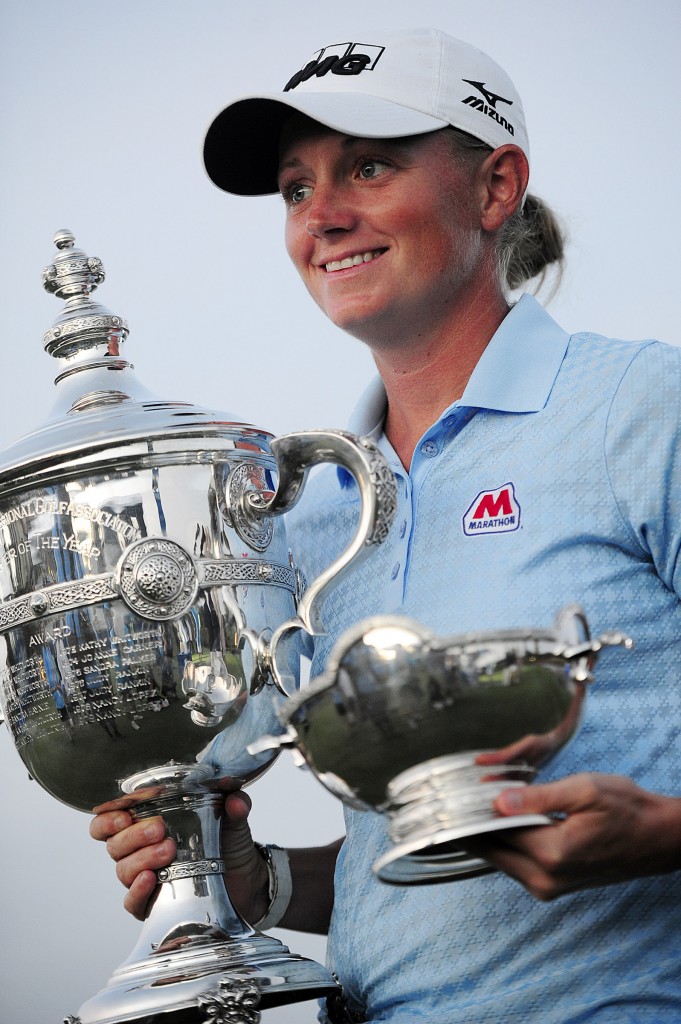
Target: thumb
<point x="238" y="847"/>
<point x="562" y="797"/>
<point x="246" y="872"/>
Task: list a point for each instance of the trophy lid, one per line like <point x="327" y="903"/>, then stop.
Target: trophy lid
<point x="100" y="403"/>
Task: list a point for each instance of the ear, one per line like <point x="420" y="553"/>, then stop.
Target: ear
<point x="504" y="176"/>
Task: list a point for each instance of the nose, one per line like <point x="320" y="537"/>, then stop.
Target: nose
<point x="330" y="210"/>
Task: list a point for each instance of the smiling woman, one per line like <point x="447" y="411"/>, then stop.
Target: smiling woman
<point x="399" y="236"/>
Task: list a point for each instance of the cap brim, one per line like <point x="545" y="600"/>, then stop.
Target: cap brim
<point x="241" y="150"/>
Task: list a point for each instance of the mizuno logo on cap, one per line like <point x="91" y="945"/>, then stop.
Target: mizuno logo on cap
<point x="494" y="511"/>
<point x="488" y="106"/>
<point x="338" y="59"/>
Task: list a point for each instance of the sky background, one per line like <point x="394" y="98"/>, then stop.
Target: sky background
<point x="103" y="108"/>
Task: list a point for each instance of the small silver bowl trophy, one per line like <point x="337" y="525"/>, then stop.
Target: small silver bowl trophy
<point x="429" y="730"/>
<point x="150" y="619"/>
<point x="150" y="623"/>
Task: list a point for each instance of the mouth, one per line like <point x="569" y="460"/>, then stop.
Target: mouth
<point x="352" y="261"/>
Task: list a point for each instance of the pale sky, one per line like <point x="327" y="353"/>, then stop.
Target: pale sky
<point x="104" y="107"/>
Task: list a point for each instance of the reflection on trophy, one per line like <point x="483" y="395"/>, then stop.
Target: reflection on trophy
<point x="150" y="620"/>
<point x="429" y="730"/>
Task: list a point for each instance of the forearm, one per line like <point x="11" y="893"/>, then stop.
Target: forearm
<point x="312" y="871"/>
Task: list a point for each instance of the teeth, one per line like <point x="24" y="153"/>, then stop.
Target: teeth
<point x="350" y="261"/>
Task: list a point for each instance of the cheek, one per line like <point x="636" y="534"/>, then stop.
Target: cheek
<point x="299" y="248"/>
<point x="460" y="238"/>
<point x="295" y="242"/>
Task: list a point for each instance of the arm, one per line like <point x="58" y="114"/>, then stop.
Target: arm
<point x="312" y="871"/>
<point x="141" y="848"/>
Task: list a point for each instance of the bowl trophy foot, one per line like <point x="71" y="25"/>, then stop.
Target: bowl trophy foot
<point x="435" y="806"/>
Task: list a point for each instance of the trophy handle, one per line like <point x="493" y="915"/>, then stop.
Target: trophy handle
<point x="296" y="454"/>
<point x="580" y="649"/>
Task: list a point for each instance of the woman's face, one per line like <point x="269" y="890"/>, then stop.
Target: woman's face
<point x="385" y="233"/>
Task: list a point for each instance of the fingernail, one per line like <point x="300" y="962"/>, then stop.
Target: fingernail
<point x="154" y="830"/>
<point x="512" y="801"/>
<point x="120" y="821"/>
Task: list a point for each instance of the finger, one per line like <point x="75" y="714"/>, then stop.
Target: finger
<point x="237" y="807"/>
<point x="566" y="796"/>
<point x="129" y="840"/>
<point x="109" y="824"/>
<point x="139" y="894"/>
<point x="149" y="858"/>
<point x="123" y="803"/>
<point x="513" y="853"/>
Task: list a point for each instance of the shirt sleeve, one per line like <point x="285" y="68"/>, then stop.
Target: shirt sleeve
<point x="643" y="456"/>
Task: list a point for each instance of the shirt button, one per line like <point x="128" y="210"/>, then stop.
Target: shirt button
<point x="395" y="571"/>
<point x="429" y="448"/>
<point x="403" y="528"/>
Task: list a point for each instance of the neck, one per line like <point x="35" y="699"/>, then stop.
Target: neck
<point x="424" y="376"/>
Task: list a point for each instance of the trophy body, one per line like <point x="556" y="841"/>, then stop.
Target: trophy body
<point x="429" y="730"/>
<point x="150" y="620"/>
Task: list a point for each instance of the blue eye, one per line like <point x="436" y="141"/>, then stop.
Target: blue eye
<point x="296" y="194"/>
<point x="371" y="168"/>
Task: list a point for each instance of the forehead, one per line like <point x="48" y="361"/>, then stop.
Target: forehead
<point x="299" y="130"/>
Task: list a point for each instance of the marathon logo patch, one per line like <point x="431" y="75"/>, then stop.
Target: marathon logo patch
<point x="494" y="511"/>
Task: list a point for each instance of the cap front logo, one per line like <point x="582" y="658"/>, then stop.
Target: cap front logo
<point x="338" y="59"/>
<point x="495" y="511"/>
<point x="489" y="105"/>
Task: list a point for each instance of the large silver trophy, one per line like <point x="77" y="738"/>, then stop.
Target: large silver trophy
<point x="150" y="619"/>
<point x="428" y="730"/>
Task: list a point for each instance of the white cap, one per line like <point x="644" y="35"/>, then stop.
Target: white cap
<point x="403" y="83"/>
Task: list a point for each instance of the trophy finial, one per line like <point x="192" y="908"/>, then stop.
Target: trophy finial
<point x="72" y="273"/>
<point x="84" y="326"/>
<point x="64" y="238"/>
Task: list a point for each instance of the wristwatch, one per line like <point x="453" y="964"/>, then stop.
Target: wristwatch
<point x="280" y="887"/>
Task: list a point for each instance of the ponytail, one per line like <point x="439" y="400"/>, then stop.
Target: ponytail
<point x="531" y="242"/>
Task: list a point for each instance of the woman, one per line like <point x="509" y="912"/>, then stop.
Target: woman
<point x="404" y="166"/>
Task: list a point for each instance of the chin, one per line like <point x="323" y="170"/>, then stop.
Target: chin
<point x="362" y="323"/>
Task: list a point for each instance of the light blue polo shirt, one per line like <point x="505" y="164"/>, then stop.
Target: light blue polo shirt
<point x="556" y="478"/>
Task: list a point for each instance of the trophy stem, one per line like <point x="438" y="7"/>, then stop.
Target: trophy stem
<point x="197" y="960"/>
<point x="437" y="804"/>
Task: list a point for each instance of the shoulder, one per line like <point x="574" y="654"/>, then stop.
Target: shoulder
<point x="586" y="345"/>
<point x="619" y="371"/>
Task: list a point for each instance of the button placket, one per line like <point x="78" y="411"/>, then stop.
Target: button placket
<point x="397" y="563"/>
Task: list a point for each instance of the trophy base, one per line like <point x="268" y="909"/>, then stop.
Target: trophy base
<point x="197" y="961"/>
<point x="437" y="804"/>
<point x="230" y="980"/>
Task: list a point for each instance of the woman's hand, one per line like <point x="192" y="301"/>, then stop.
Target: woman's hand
<point x="607" y="830"/>
<point x="141" y="848"/>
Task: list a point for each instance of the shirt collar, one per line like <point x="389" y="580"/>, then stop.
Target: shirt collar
<point x="517" y="370"/>
<point x="515" y="373"/>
